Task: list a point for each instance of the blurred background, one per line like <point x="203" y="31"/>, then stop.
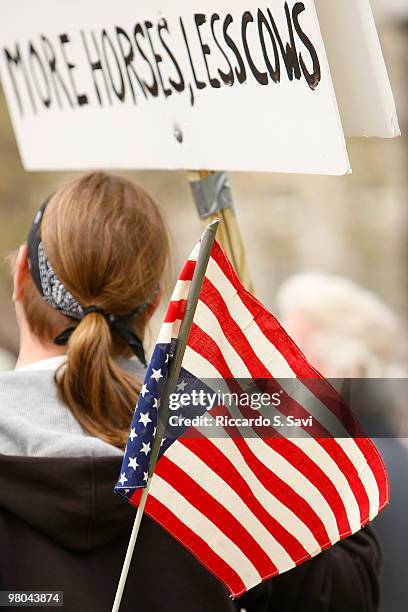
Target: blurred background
<point x="354" y="226"/>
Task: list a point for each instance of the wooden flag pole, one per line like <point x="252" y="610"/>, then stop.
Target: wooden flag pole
<point x="207" y="242"/>
<point x="229" y="236"/>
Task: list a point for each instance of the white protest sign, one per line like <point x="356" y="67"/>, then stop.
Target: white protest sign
<point x="361" y="82"/>
<point x="170" y="84"/>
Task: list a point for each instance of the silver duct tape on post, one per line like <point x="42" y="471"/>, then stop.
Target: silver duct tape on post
<point x="211" y="194"/>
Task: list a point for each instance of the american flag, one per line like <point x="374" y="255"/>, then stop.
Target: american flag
<point x="249" y="507"/>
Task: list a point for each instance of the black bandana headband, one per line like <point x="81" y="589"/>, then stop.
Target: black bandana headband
<point x="57" y="296"/>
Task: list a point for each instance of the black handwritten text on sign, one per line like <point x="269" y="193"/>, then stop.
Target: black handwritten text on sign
<point x="134" y="62"/>
<point x="225" y="84"/>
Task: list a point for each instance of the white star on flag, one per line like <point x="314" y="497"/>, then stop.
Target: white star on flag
<point x="133" y="463"/>
<point x="122" y="478"/>
<point x="146" y="448"/>
<point x="156" y="374"/>
<point x="144" y="390"/>
<point x="156" y="403"/>
<point x="145" y="476"/>
<point x="132" y="434"/>
<point x="145" y="419"/>
<point x="181" y="386"/>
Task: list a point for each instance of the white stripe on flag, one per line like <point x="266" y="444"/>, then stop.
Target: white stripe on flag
<point x="365" y="473"/>
<point x="314" y="451"/>
<point x="281" y="368"/>
<point x="205" y="529"/>
<point x="298" y="482"/>
<point x="168" y="331"/>
<point x="194" y="253"/>
<point x="180" y="291"/>
<point x="281" y="513"/>
<point x="196" y="365"/>
<point x="318" y="454"/>
<point x="199" y="366"/>
<point x="208" y="322"/>
<point x="215" y="486"/>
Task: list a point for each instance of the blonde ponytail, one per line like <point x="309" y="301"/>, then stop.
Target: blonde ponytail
<point x="100" y="393"/>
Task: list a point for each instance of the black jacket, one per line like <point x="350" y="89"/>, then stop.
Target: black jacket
<point x="62" y="528"/>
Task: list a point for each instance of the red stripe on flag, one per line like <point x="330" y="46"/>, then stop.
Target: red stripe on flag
<point x="349" y="470"/>
<point x="310" y="377"/>
<point x="193" y="542"/>
<point x="304" y="370"/>
<point x="196" y="545"/>
<point x="218" y="514"/>
<point x="135" y="497"/>
<point x="276" y="334"/>
<point x="377" y="467"/>
<point x="340" y="457"/>
<point x="300" y="460"/>
<point x="237" y="339"/>
<point x="205" y="346"/>
<point x="272" y="329"/>
<point x="175" y="311"/>
<point x="221" y="465"/>
<point x="234" y="334"/>
<point x="188" y="270"/>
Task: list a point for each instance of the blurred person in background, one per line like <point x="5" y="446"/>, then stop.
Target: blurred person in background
<point x="346" y="331"/>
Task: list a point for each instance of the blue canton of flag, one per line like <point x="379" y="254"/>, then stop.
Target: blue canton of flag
<point x="135" y="465"/>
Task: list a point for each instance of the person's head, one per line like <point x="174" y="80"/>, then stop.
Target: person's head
<point x="100" y="256"/>
<point x="344" y="330"/>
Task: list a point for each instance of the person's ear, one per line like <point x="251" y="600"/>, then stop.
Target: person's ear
<point x="20" y="273"/>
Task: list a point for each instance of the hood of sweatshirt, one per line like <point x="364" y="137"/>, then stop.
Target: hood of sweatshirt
<point x="69" y="499"/>
<point x="53" y="475"/>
